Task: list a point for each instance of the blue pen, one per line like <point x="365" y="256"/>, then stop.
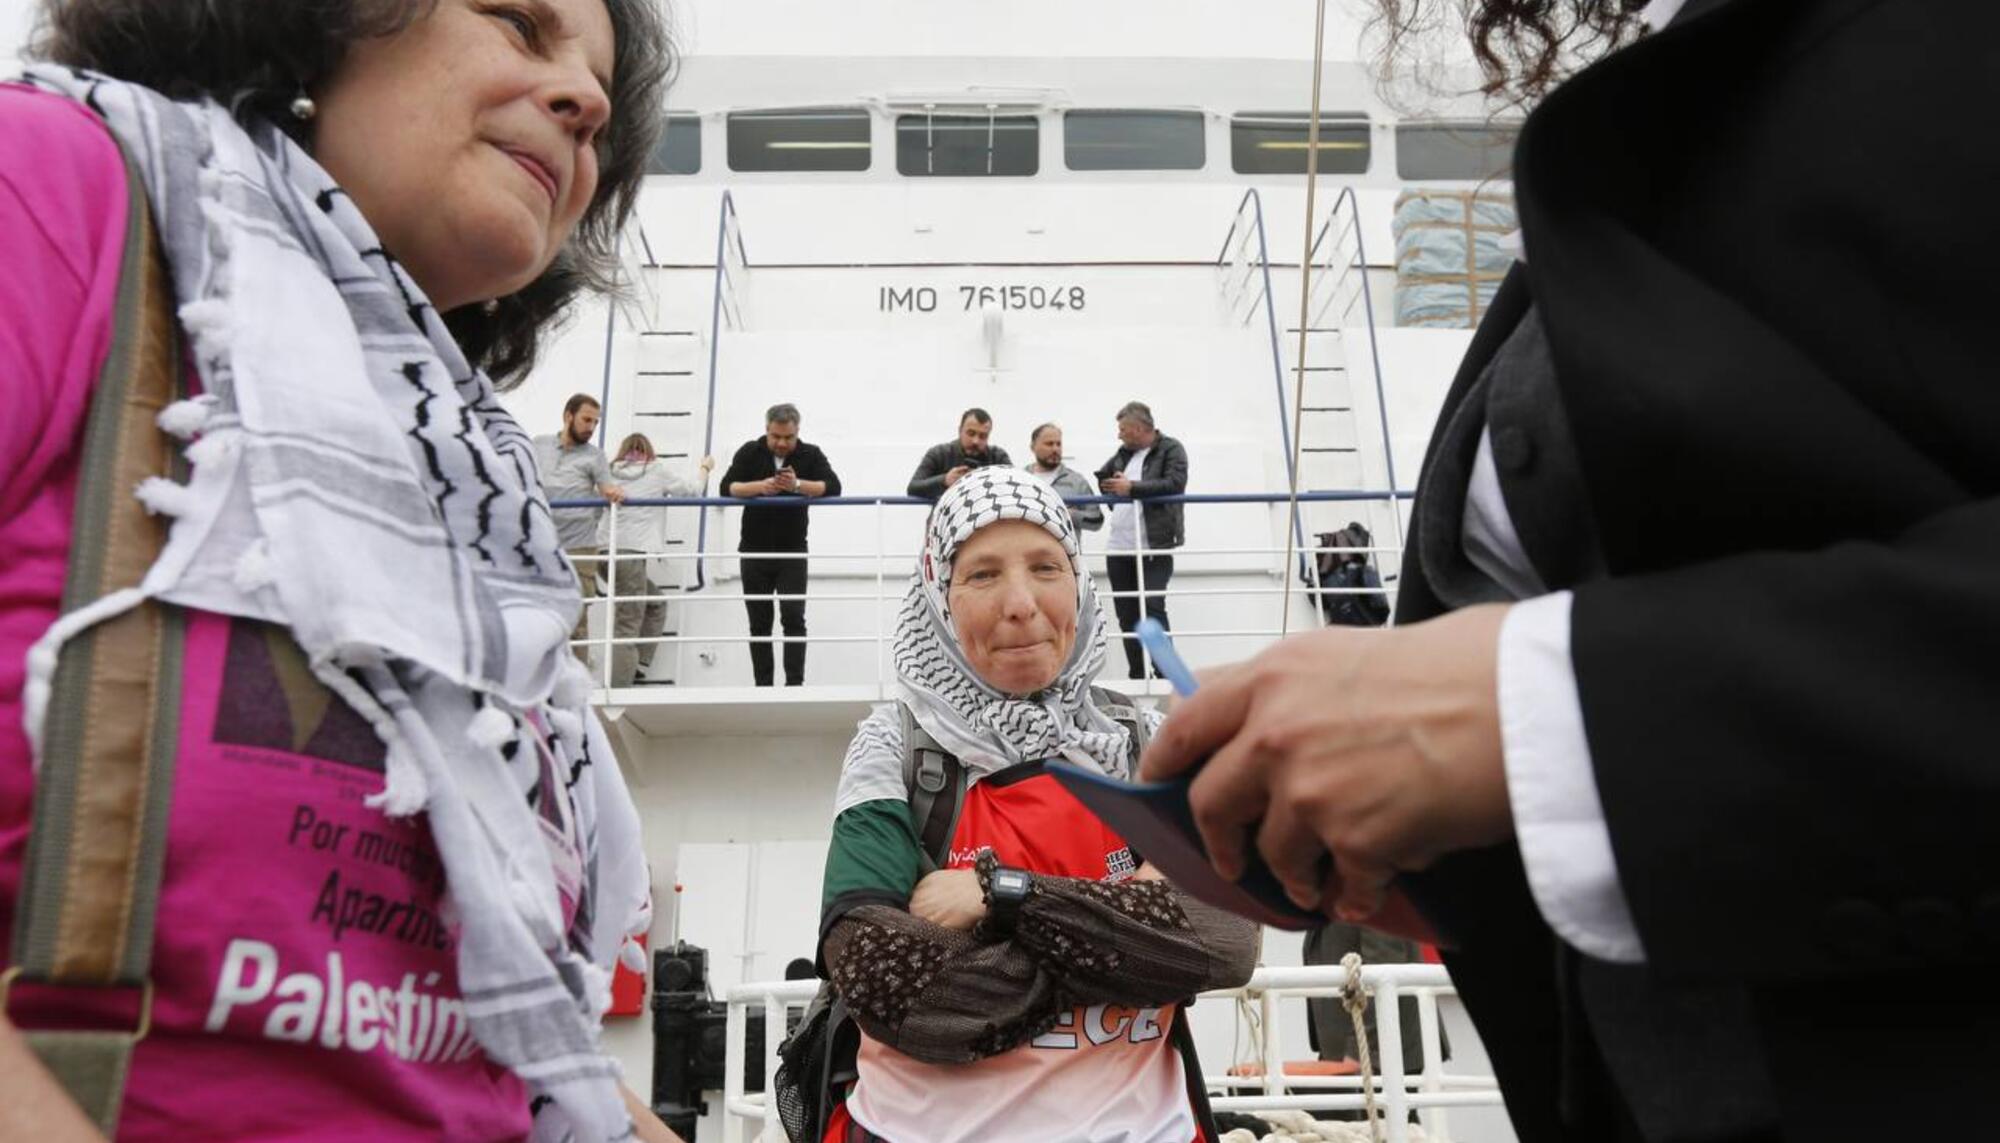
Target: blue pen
<point x="1154" y="638"/>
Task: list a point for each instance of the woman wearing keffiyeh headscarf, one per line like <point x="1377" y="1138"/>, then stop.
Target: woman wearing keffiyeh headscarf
<point x="1048" y="1016"/>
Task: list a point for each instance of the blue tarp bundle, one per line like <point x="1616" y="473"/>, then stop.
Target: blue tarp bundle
<point x="1449" y="254"/>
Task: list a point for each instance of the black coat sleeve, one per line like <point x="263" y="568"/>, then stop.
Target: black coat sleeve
<point x="742" y="470"/>
<point x="1172" y="480"/>
<point x="813" y="465"/>
<point x="927" y="481"/>
<point x="1802" y="750"/>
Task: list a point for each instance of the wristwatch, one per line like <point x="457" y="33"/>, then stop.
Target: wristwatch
<point x="1006" y="891"/>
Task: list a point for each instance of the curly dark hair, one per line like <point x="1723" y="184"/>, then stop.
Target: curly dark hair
<point x="1521" y="45"/>
<point x="254" y="56"/>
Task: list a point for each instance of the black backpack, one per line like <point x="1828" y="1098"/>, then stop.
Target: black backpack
<point x="816" y="1062"/>
<point x="1339" y="573"/>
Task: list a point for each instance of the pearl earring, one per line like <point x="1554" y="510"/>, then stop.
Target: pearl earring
<point x="490" y="306"/>
<point x="303" y="108"/>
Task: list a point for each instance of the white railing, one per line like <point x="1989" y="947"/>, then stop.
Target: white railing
<point x="887" y="565"/>
<point x="1430" y="1095"/>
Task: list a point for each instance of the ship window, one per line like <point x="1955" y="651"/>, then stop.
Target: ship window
<point x="1134" y="141"/>
<point x="679" y="149"/>
<point x="1455" y="150"/>
<point x="968" y="144"/>
<point x="799" y="139"/>
<point x="1274" y="142"/>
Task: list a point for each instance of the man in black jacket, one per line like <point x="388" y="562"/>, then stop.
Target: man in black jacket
<point x="1148" y="463"/>
<point x="777" y="464"/>
<point x="944" y="463"/>
<point x="1685" y="736"/>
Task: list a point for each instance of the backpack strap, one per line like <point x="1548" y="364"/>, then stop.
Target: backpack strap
<point x="936" y="782"/>
<point x="1182" y="1037"/>
<point x="1121" y="709"/>
<point x="91" y="881"/>
<point x="936" y="779"/>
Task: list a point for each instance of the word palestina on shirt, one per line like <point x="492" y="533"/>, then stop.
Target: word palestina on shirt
<point x="406" y="1021"/>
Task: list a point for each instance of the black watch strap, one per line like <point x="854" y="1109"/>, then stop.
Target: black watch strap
<point x="1006" y="892"/>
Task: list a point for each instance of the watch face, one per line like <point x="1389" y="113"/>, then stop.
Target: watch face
<point x="1010" y="883"/>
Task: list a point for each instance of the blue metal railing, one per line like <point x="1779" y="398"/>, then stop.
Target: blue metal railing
<point x="1256" y="202"/>
<point x="895" y="499"/>
<point x="722" y="282"/>
<point x="1360" y="266"/>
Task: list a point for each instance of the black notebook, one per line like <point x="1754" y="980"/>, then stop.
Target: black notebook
<point x="1154" y="819"/>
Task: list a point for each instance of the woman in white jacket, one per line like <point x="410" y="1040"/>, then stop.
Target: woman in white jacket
<point x="643" y="476"/>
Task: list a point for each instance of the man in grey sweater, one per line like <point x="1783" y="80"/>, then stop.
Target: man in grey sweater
<point x="573" y="468"/>
<point x="1047" y="444"/>
<point x="943" y="464"/>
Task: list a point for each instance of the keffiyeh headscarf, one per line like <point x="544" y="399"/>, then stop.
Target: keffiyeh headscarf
<point x="356" y="481"/>
<point x="987" y="730"/>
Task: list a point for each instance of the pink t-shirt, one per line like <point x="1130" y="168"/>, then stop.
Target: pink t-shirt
<point x="303" y="965"/>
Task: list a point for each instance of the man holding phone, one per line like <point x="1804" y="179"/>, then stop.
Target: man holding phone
<point x="773" y="539"/>
<point x="1148" y="463"/>
<point x="943" y="464"/>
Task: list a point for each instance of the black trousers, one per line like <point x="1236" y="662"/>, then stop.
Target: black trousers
<point x="776" y="577"/>
<point x="1331" y="1029"/>
<point x="1125" y="572"/>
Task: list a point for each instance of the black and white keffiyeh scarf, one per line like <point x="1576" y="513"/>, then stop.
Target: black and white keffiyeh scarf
<point x="987" y="730"/>
<point x="356" y="481"/>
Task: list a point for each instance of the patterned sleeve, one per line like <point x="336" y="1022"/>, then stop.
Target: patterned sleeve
<point x="1132" y="942"/>
<point x="945" y="997"/>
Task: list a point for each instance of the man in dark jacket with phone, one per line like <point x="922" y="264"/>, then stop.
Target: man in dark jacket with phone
<point x="777" y="464"/>
<point x="944" y="463"/>
<point x="1148" y="463"/>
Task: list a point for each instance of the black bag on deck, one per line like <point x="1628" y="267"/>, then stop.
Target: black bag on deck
<point x="1342" y="572"/>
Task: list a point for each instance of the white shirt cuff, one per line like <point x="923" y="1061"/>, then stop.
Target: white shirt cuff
<point x="1558" y="818"/>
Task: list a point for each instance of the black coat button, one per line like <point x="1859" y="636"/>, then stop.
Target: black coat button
<point x="1857" y="930"/>
<point x="1932" y="928"/>
<point x="1986" y="923"/>
<point x="1513" y="449"/>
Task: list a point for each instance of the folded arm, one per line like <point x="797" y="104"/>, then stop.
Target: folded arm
<point x="945" y="996"/>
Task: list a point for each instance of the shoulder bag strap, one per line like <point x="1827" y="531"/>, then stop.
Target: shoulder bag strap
<point x="91" y="883"/>
<point x="1182" y="1037"/>
<point x="936" y="784"/>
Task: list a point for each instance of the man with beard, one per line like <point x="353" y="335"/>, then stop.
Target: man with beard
<point x="575" y="469"/>
<point x="1048" y="467"/>
<point x="945" y="463"/>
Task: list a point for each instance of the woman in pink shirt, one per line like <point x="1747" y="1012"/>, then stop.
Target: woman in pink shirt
<point x="398" y="863"/>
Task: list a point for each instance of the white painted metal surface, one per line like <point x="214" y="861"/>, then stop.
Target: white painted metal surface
<point x="1432" y="1095"/>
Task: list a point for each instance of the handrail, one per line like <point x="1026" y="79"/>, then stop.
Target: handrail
<point x="725" y="215"/>
<point x="610" y="646"/>
<point x="1359" y="266"/>
<point x="1256" y="201"/>
<point x="611" y="321"/>
<point x="915" y="501"/>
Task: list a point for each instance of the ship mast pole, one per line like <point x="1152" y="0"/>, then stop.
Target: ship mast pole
<point x="1305" y="304"/>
